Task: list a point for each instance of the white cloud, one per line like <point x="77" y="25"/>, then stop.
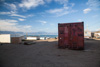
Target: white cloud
<point x="12" y="13"/>
<point x="20" y="19"/>
<point x="59" y="11"/>
<point x="86" y="10"/>
<point x="27" y="26"/>
<point x="17" y="15"/>
<point x="55" y="10"/>
<point x="64" y="10"/>
<point x="63" y="13"/>
<point x="12" y="25"/>
<point x="34" y="3"/>
<point x="93" y="3"/>
<point x="30" y="3"/>
<point x="79" y="19"/>
<point x="72" y="4"/>
<point x="3" y="13"/>
<point x="11" y="6"/>
<point x="7" y="20"/>
<point x="43" y="22"/>
<point x="65" y="2"/>
<point x="31" y="15"/>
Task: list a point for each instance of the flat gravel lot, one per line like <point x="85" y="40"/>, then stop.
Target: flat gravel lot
<point x="46" y="54"/>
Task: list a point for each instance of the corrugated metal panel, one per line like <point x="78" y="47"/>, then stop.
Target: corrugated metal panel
<point x="71" y="35"/>
<point x="61" y="36"/>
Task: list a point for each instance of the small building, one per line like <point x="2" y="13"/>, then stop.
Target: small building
<point x="97" y="34"/>
<point x="31" y="38"/>
<point x="5" y="38"/>
<point x="42" y="38"/>
<point x="87" y="34"/>
<point x="16" y="39"/>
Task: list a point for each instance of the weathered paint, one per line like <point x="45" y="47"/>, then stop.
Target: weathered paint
<point x="71" y="35"/>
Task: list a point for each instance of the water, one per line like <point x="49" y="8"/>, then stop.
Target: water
<point x="51" y="36"/>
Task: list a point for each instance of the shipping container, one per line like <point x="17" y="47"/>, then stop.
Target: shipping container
<point x="31" y="38"/>
<point x="71" y="35"/>
<point x="5" y="38"/>
<point x="16" y="40"/>
<point x="87" y="33"/>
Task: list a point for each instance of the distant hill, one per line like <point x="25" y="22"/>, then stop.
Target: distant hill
<point x="42" y="33"/>
<point x="10" y="32"/>
<point x="31" y="33"/>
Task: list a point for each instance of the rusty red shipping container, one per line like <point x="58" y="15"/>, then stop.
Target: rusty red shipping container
<point x="71" y="35"/>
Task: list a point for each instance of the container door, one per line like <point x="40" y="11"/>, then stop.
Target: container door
<point x="74" y="36"/>
<point x="80" y="36"/>
<point x="77" y="36"/>
<point x="66" y="35"/>
<point x="61" y="36"/>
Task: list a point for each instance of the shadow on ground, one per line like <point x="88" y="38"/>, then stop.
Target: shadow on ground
<point x="47" y="54"/>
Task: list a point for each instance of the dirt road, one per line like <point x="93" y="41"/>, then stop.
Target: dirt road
<point x="47" y="54"/>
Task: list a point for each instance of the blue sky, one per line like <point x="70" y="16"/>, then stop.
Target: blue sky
<point x="44" y="15"/>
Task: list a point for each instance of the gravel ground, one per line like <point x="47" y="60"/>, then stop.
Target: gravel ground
<point x="46" y="54"/>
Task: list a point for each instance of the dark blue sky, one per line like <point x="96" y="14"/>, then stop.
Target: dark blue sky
<point x="44" y="15"/>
